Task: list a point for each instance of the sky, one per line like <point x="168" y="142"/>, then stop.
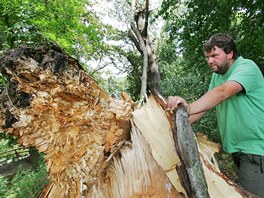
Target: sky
<point x="103" y="8"/>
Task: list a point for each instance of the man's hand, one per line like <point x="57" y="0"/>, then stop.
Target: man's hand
<point x="175" y="101"/>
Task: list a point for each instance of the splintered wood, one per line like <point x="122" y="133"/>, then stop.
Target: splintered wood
<point x="66" y="115"/>
<point x="137" y="174"/>
<point x="95" y="145"/>
<point x="155" y="127"/>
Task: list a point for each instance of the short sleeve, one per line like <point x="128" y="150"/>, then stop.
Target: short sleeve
<point x="246" y="75"/>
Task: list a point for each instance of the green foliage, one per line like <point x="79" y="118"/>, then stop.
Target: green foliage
<point x="134" y="74"/>
<point x="3" y="186"/>
<point x="2" y="82"/>
<point x="26" y="183"/>
<point x="250" y="28"/>
<point x="111" y="83"/>
<point x="191" y="23"/>
<point x="227" y="165"/>
<point x="7" y="142"/>
<point x="15" y="24"/>
<point x="116" y="85"/>
<point x="70" y="24"/>
<point x="177" y="77"/>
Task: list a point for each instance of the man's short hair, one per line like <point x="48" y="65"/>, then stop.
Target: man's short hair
<point x="221" y="40"/>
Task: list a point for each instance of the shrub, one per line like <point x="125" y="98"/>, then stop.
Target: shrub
<point x="26" y="183"/>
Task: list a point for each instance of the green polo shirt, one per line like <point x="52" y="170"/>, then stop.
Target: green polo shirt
<point x="241" y="117"/>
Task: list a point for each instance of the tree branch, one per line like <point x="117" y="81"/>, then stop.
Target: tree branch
<point x="153" y="65"/>
<point x="145" y="30"/>
<point x="135" y="41"/>
<point x="143" y="90"/>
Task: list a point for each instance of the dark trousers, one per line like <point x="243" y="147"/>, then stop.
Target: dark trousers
<point x="251" y="172"/>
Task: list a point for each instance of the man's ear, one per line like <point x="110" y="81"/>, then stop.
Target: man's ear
<point x="230" y="55"/>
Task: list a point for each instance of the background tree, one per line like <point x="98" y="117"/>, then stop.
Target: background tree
<point x="68" y="24"/>
<point x="137" y="19"/>
<point x="192" y="22"/>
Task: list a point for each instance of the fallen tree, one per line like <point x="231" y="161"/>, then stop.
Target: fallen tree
<point x="98" y="146"/>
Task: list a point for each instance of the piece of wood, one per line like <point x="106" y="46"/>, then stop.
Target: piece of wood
<point x="153" y="123"/>
<point x="188" y="150"/>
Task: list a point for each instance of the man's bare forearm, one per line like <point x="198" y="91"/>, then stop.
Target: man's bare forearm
<point x="195" y="117"/>
<point x="214" y="97"/>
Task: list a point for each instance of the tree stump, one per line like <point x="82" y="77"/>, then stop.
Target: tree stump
<point x="95" y="145"/>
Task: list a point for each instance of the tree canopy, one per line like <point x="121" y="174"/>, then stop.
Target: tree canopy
<point x="73" y="25"/>
<point x="192" y="22"/>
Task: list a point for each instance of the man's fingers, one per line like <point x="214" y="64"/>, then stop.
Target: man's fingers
<point x="174" y="101"/>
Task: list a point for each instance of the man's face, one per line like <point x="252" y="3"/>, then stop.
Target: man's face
<point x="218" y="60"/>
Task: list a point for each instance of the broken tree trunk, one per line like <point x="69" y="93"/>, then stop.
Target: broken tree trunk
<point x="95" y="145"/>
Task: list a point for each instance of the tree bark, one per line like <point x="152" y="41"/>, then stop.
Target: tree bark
<point x="188" y="150"/>
<point x="139" y="35"/>
<point x="95" y="145"/>
<point x="143" y="89"/>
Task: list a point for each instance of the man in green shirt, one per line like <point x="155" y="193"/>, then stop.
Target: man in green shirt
<point x="237" y="92"/>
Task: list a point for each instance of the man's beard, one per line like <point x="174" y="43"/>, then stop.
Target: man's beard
<point x="222" y="69"/>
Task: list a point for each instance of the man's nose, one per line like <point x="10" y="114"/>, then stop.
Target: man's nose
<point x="210" y="60"/>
